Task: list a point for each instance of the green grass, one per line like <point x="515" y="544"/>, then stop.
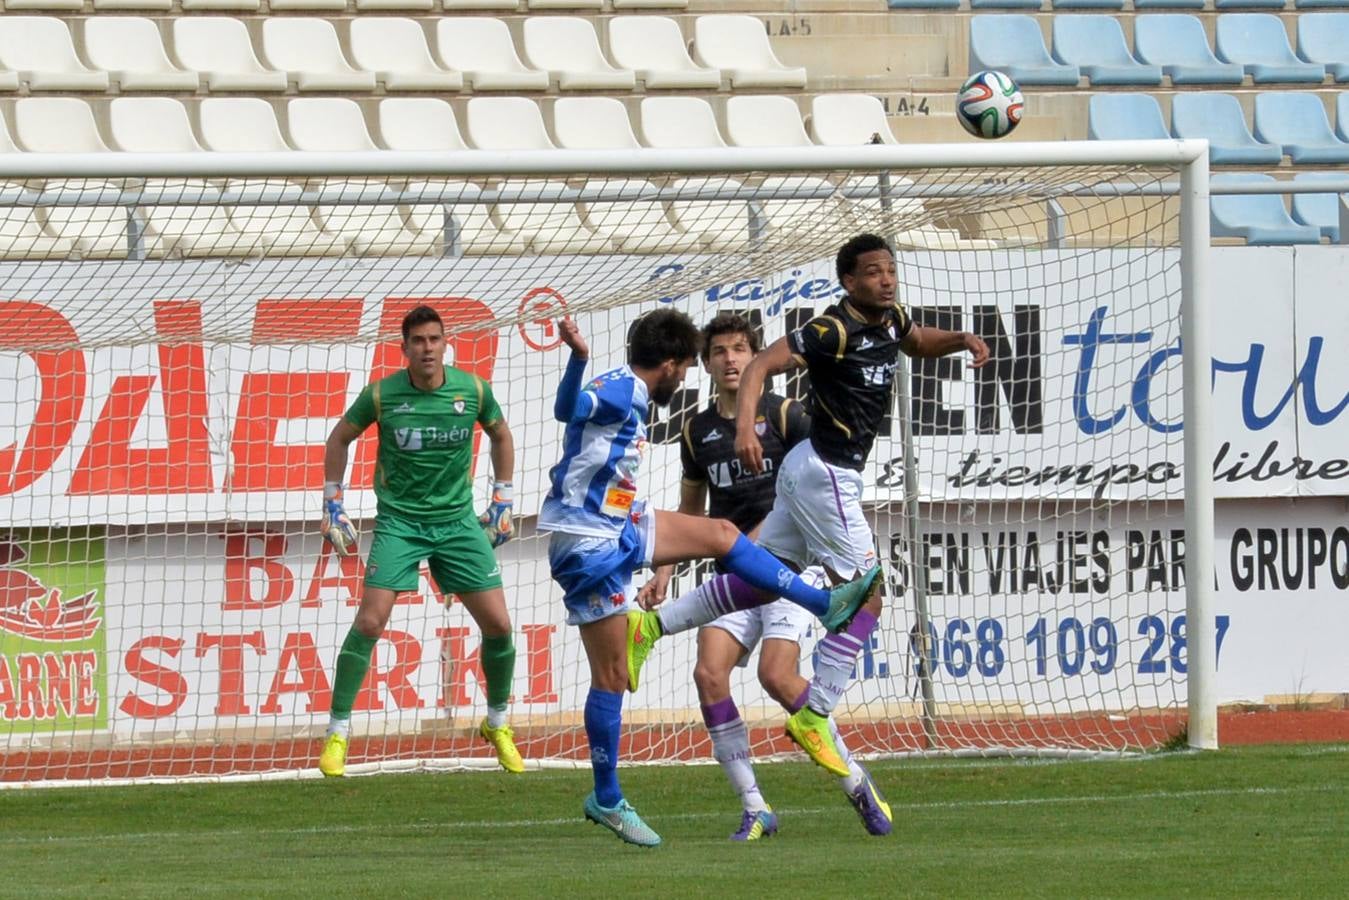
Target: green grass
<point x="1237" y="823"/>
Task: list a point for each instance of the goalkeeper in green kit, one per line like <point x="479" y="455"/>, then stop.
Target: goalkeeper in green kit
<point x="424" y="487"/>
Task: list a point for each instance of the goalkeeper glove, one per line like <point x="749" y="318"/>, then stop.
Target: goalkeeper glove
<point x="336" y="526"/>
<point x="496" y="522"/>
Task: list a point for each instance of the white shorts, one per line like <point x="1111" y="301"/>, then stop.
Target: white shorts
<point x="780" y="620"/>
<point x="817" y="517"/>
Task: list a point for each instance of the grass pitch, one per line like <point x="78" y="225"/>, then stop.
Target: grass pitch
<point x="1246" y="822"/>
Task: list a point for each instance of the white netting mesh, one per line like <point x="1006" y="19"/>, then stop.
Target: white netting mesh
<point x="175" y="352"/>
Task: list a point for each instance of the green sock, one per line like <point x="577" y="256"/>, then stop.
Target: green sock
<point x="352" y="663"/>
<point x="498" y="664"/>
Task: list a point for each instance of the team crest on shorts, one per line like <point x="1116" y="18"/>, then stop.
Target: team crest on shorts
<point x="596" y="603"/>
<point x="459" y="405"/>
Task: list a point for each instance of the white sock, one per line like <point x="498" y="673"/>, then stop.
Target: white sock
<point x="338" y="726"/>
<point x="730" y="747"/>
<point x="496" y="717"/>
<point x="707" y="602"/>
<point x="835" y="658"/>
<point x="853" y="780"/>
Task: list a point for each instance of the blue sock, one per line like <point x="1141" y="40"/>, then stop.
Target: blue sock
<point x="766" y="572"/>
<point x="604" y="721"/>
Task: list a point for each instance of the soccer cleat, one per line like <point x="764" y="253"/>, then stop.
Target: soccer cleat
<point x="810" y="731"/>
<point x="503" y="739"/>
<point x="847" y="598"/>
<point x="643" y="632"/>
<point x="871" y="806"/>
<point x="333" y="759"/>
<point x="623" y="821"/>
<point x="755" y="825"/>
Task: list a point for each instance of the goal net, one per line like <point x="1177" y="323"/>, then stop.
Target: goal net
<point x="174" y="349"/>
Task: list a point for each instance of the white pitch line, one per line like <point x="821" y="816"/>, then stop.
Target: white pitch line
<point x="51" y="840"/>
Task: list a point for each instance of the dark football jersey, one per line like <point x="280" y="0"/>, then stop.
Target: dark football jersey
<point x="852" y="370"/>
<point x="708" y="454"/>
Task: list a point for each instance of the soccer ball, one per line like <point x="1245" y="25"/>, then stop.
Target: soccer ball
<point x="989" y="105"/>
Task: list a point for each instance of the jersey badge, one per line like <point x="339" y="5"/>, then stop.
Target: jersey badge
<point x="866" y="343"/>
<point x="458" y="405"/>
<point x="712" y="435"/>
<point x="760" y="426"/>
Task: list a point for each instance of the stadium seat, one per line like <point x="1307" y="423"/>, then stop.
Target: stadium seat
<point x="1321" y="210"/>
<point x="222" y="5"/>
<point x="848" y="119"/>
<point x="457" y="227"/>
<point x="506" y="5"/>
<point x="1004" y="4"/>
<point x="9" y="81"/>
<point x="482" y="49"/>
<point x="218" y="47"/>
<point x="1324" y="38"/>
<point x="765" y="121"/>
<point x="1219" y="118"/>
<point x="240" y="125"/>
<point x="1179" y="45"/>
<point x="738" y="45"/>
<point x="395" y="5"/>
<point x="1259" y="42"/>
<point x="1342" y="116"/>
<point x="1095" y="44"/>
<point x="1321" y="4"/>
<point x="549" y="228"/>
<point x="21" y="233"/>
<point x="307" y="5"/>
<point x="181" y="231"/>
<point x="368" y="229"/>
<point x="506" y="123"/>
<point x="42" y="52"/>
<point x="151" y="125"/>
<point x="792" y="213"/>
<point x="1258" y="218"/>
<point x="1167" y="4"/>
<point x="568" y="48"/>
<point x="638" y="226"/>
<point x="419" y="123"/>
<point x="286" y="228"/>
<point x="592" y="123"/>
<point x="324" y="124"/>
<point x="56" y="125"/>
<point x="1087" y="4"/>
<point x="1125" y="117"/>
<point x="96" y="232"/>
<point x="53" y="5"/>
<point x="131" y="51"/>
<point x="1222" y="5"/>
<point x="672" y="122"/>
<point x="1298" y="122"/>
<point x="717" y="224"/>
<point x="564" y="4"/>
<point x="653" y="47"/>
<point x="395" y="49"/>
<point x="650" y="4"/>
<point x="1015" y="45"/>
<point x="923" y="4"/>
<point x="309" y="52"/>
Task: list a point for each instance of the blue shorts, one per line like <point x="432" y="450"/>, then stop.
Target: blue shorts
<point x="596" y="572"/>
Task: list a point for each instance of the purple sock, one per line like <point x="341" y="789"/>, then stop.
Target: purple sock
<point x="720" y="713"/>
<point x="835" y="658"/>
<point x="800" y="701"/>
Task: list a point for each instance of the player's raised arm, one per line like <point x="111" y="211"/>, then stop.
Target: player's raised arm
<point x="336" y="525"/>
<point x="570" y="402"/>
<point x="928" y="342"/>
<point x="775" y="360"/>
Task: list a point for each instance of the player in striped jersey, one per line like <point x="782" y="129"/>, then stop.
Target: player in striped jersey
<point x="601" y="533"/>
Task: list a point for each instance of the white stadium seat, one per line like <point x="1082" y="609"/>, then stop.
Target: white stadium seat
<point x="651" y="4"/>
<point x="565" y="4"/>
<point x="53" y="5"/>
<point x="592" y="123"/>
<point x="327" y="124"/>
<point x="738" y="45"/>
<point x="219" y="48"/>
<point x="413" y="5"/>
<point x="98" y="232"/>
<point x="653" y="46"/>
<point x="765" y="121"/>
<point x="307" y="5"/>
<point x="718" y="224"/>
<point x="549" y="228"/>
<point x="639" y="226"/>
<point x="22" y="235"/>
<point x="848" y="119"/>
<point x="464" y="228"/>
<point x="195" y="231"/>
<point x="369" y="229"/>
<point x="395" y="50"/>
<point x="42" y="51"/>
<point x="286" y="229"/>
<point x="418" y="123"/>
<point x="569" y="49"/>
<point x="309" y="51"/>
<point x="793" y="213"/>
<point x="131" y="51"/>
<point x="672" y="122"/>
<point x="482" y="49"/>
<point x="240" y="125"/>
<point x="151" y="125"/>
<point x="507" y="5"/>
<point x="506" y="123"/>
<point x="222" y="5"/>
<point x="148" y="5"/>
<point x="56" y="125"/>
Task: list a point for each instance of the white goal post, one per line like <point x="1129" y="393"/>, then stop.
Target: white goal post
<point x="179" y="331"/>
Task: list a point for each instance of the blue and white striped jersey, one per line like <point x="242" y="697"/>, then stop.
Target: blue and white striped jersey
<point x="595" y="483"/>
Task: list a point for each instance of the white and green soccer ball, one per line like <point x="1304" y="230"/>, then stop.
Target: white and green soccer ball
<point x="989" y="104"/>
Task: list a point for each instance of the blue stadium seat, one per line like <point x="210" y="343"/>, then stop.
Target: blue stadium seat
<point x="1004" y="4"/>
<point x="1321" y="210"/>
<point x="1095" y="44"/>
<point x="1125" y="117"/>
<point x="1324" y="38"/>
<point x="1087" y="4"/>
<point x="1179" y="45"/>
<point x="1219" y="118"/>
<point x="1015" y="45"/>
<point x="1321" y="4"/>
<point x="1259" y="42"/>
<point x="1168" y="4"/>
<point x="1247" y="4"/>
<point x="924" y="4"/>
<point x="1259" y="218"/>
<point x="1342" y="116"/>
<point x="1298" y="122"/>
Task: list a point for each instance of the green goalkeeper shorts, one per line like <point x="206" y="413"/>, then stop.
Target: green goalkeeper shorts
<point x="458" y="554"/>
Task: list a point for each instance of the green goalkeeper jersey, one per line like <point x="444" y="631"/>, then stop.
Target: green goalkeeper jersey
<point x="423" y="470"/>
